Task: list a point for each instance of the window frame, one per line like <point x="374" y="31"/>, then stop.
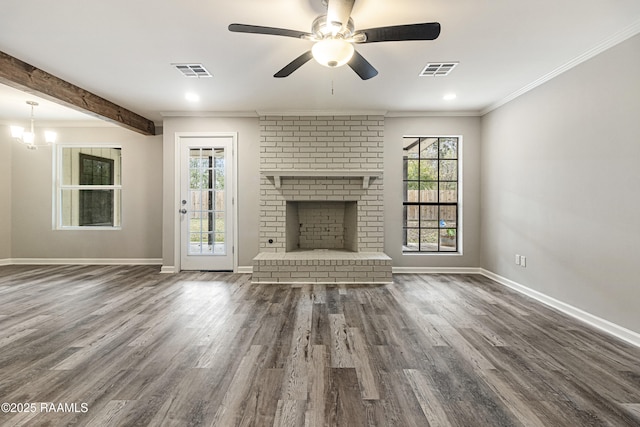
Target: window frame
<point x="458" y="203"/>
<point x="59" y="187"/>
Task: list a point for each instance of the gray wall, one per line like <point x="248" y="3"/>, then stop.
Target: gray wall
<point x="561" y="185"/>
<point x="248" y="130"/>
<point x="31" y="201"/>
<point x="5" y="192"/>
<point x="395" y="129"/>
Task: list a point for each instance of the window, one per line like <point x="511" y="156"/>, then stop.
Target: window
<point x="88" y="193"/>
<point x="430" y="187"/>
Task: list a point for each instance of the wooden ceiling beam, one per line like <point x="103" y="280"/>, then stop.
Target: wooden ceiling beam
<point x="25" y="77"/>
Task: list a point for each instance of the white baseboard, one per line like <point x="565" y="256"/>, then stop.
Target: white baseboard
<point x="171" y="269"/>
<point x="5" y="262"/>
<point x="247" y="269"/>
<point x="604" y="325"/>
<point x="436" y="270"/>
<point x="85" y="261"/>
<point x="168" y="269"/>
<point x="320" y="282"/>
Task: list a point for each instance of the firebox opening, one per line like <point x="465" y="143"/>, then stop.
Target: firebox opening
<point x="321" y="225"/>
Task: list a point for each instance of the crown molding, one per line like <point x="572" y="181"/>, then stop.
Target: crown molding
<point x="622" y="35"/>
<point x="433" y="114"/>
<point x="169" y="114"/>
<point x="321" y="113"/>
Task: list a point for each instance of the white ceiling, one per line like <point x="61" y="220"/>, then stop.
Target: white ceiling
<point x="122" y="50"/>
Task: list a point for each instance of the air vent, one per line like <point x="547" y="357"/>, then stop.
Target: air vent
<point x="438" y="69"/>
<point x="192" y="70"/>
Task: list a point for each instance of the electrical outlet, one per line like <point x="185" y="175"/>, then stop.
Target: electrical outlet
<point x="517" y="259"/>
<point x="523" y="261"/>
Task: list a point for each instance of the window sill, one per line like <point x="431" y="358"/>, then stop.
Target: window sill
<point x="432" y="253"/>
<point x="88" y="229"/>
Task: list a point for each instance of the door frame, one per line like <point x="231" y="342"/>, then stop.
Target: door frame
<point x="177" y="245"/>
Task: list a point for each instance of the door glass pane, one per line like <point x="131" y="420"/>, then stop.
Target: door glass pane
<point x="218" y="179"/>
<point x="219" y="226"/>
<point x="195" y="242"/>
<point x="202" y="201"/>
<point x="219" y="244"/>
<point x="207" y="247"/>
<point x="206" y="203"/>
<point x="219" y="201"/>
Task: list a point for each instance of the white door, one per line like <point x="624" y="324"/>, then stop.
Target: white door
<point x="206" y="203"/>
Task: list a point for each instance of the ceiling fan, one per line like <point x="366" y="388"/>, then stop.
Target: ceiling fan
<point x="334" y="35"/>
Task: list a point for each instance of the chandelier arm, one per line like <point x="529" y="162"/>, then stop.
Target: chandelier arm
<point x="28" y="138"/>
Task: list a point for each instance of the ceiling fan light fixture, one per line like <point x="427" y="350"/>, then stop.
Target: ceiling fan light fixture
<point x="332" y="52"/>
<point x="323" y="27"/>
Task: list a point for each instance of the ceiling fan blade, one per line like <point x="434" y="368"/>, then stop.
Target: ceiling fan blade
<point x="362" y="67"/>
<point x="426" y="31"/>
<point x="339" y="11"/>
<point x="256" y="29"/>
<point x="294" y="65"/>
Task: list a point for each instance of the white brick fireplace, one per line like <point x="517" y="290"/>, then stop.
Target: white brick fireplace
<point x="321" y="204"/>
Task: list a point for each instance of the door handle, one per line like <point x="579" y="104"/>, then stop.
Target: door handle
<point x="183" y="211"/>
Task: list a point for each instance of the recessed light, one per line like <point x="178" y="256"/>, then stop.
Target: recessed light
<point x="449" y="97"/>
<point x="192" y="97"/>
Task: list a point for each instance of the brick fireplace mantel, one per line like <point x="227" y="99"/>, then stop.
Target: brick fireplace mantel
<point x="278" y="174"/>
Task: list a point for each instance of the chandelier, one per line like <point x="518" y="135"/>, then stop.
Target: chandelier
<point x="28" y="137"/>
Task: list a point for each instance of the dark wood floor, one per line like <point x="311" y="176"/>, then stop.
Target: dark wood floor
<point x="129" y="346"/>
